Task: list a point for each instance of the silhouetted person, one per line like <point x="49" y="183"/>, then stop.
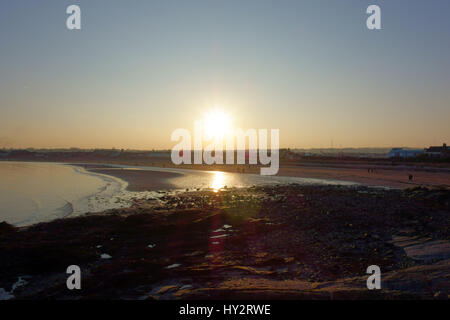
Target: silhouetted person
<point x="410" y="177"/>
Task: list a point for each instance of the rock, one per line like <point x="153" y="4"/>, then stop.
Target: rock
<point x="6" y="228"/>
<point x="428" y="251"/>
<point x="440" y="295"/>
<point x="186" y="286"/>
<point x="423" y="249"/>
<point x="166" y="289"/>
<point x="253" y="271"/>
<point x="5" y="295"/>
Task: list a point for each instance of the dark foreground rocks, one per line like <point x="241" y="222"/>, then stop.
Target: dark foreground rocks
<point x="283" y="242"/>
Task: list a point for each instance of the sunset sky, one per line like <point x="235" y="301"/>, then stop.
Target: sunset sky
<point x="140" y="69"/>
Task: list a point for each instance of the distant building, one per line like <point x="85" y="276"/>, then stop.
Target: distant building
<point x="404" y="153"/>
<point x="438" y="152"/>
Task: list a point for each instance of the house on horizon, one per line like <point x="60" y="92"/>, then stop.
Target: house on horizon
<point x="438" y="152"/>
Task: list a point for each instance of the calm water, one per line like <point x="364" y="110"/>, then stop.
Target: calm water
<point x="35" y="192"/>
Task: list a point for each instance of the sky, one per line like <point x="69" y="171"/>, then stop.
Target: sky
<point x="139" y="69"/>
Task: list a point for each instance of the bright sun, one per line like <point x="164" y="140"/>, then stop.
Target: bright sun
<point x="217" y="124"/>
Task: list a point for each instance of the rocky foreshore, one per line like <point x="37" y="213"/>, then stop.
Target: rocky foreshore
<point x="268" y="242"/>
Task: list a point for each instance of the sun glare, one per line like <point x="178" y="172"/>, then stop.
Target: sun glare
<point x="217" y="124"/>
<point x="218" y="181"/>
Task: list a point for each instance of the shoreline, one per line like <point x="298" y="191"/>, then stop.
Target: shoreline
<point x="380" y="176"/>
<point x="277" y="242"/>
<point x="136" y="180"/>
<point x="52" y="190"/>
<point x="103" y="198"/>
<point x="139" y="180"/>
<point x="392" y="177"/>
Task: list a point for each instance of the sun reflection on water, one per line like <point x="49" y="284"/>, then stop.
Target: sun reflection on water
<point x="218" y="181"/>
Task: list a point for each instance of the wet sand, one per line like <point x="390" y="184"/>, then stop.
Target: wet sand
<point x="386" y="176"/>
<point x="140" y="180"/>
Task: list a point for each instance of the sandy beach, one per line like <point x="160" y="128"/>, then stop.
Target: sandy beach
<point x="393" y="177"/>
<point x="385" y="176"/>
